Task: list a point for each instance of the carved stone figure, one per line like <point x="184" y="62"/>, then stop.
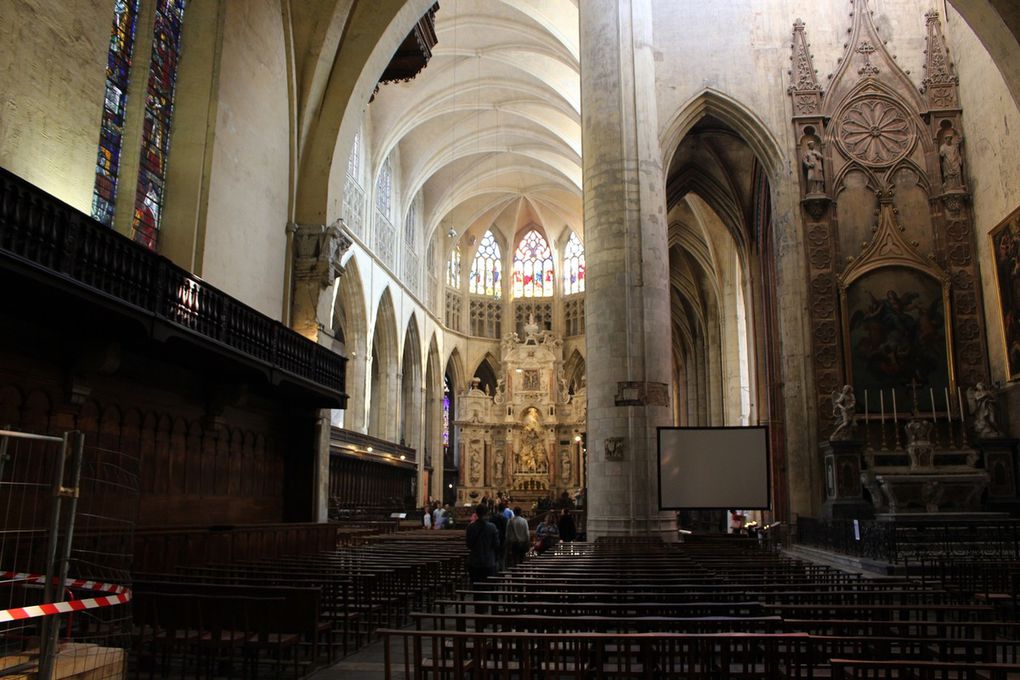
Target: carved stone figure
<point x="500" y="396"/>
<point x="844" y="414"/>
<point x="497" y="466"/>
<point x="952" y="162"/>
<point x="982" y="402"/>
<point x="814" y="165"/>
<point x="531" y="332"/>
<point x="563" y="385"/>
<point x="476" y="462"/>
<point x="920" y="450"/>
<point x="565" y="467"/>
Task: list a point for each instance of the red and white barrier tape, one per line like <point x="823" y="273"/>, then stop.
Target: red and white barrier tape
<point x="118" y="595"/>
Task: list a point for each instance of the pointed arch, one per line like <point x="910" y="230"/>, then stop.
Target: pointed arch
<point x="736" y="115"/>
<point x="487" y="372"/>
<point x="382" y="416"/>
<point x="431" y="458"/>
<point x="455" y="369"/>
<point x="350" y="327"/>
<point x="411" y="387"/>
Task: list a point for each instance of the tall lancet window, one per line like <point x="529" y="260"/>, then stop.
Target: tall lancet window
<point x="354" y="160"/>
<point x="487" y="269"/>
<point x="453" y="268"/>
<point x="573" y="266"/>
<point x="533" y="267"/>
<point x="384" y="190"/>
<point x="158" y="117"/>
<point x="111" y="132"/>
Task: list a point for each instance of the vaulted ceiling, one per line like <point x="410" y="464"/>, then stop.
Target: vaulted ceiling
<point x="489" y="132"/>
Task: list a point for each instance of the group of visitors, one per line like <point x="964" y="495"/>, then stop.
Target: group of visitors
<point x="435" y="516"/>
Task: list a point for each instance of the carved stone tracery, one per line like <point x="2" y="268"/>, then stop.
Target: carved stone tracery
<point x="872" y="119"/>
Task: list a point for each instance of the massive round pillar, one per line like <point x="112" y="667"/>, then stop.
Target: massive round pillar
<point x="627" y="290"/>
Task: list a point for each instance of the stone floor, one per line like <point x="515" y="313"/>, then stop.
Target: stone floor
<point x="365" y="664"/>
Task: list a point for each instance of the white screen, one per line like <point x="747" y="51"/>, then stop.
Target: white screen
<point x="713" y="468"/>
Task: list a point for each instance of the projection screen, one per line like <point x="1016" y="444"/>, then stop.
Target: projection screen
<point x="714" y="468"/>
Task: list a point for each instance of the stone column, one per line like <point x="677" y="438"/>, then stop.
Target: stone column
<point x="627" y="313"/>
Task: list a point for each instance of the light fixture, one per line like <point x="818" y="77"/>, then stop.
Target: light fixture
<point x="369" y="449"/>
<point x="402" y="457"/>
<point x="450" y="485"/>
<point x="577" y="438"/>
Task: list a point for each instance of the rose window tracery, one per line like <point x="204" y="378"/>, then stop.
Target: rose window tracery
<point x="876" y="131"/>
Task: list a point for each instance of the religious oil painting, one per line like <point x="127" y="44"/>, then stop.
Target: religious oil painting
<point x="1006" y="249"/>
<point x="897" y="338"/>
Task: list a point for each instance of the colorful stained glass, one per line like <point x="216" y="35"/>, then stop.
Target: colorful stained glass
<point x="453" y="268"/>
<point x="573" y="266"/>
<point x="487" y="269"/>
<point x="446" y="411"/>
<point x="533" y="267"/>
<point x="159" y="101"/>
<point x="118" y="69"/>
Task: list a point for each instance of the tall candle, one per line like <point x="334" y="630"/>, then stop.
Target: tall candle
<point x="865" y="404"/>
<point x="949" y="411"/>
<point x="931" y="394"/>
<point x="959" y="398"/>
<point x="894" y="419"/>
<point x="881" y="404"/>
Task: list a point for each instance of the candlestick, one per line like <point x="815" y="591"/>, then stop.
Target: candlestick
<point x="867" y="433"/>
<point x="881" y="427"/>
<point x="934" y="417"/>
<point x="895" y="421"/>
<point x="963" y="420"/>
<point x="949" y="416"/>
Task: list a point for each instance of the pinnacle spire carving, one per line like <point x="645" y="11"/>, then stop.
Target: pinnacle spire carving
<point x="804" y="87"/>
<point x="940" y="79"/>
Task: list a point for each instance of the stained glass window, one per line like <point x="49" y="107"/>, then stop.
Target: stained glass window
<point x="354" y="160"/>
<point x="446" y="411"/>
<point x="453" y="268"/>
<point x="573" y="266"/>
<point x="533" y="267"/>
<point x="158" y="116"/>
<point x="118" y="69"/>
<point x="384" y="189"/>
<point x="487" y="269"/>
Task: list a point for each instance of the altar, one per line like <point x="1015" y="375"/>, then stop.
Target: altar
<point x="526" y="439"/>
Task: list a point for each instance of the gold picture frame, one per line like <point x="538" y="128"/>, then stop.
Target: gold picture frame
<point x="1004" y="241"/>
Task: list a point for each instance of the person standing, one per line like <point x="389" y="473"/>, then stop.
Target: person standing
<point x="482" y="539"/>
<point x="567" y="526"/>
<point x="518" y="538"/>
<point x="500" y="522"/>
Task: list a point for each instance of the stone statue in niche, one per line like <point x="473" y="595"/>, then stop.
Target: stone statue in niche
<point x="844" y="414"/>
<point x="814" y="166"/>
<point x="952" y="161"/>
<point x="565" y="467"/>
<point x="982" y="402"/>
<point x="476" y="466"/>
<point x="497" y="466"/>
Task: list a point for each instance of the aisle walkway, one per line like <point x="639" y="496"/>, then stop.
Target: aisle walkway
<point x="365" y="664"/>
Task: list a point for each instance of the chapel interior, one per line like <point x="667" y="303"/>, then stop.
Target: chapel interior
<point x="285" y="275"/>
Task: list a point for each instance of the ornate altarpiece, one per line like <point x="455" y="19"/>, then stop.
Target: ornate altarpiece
<point x="524" y="440"/>
<point x="884" y="190"/>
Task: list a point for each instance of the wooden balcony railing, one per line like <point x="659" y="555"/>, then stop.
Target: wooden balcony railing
<point x="44" y="234"/>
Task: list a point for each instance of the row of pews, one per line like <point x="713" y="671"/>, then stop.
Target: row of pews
<point x="287" y="615"/>
<point x="703" y="609"/>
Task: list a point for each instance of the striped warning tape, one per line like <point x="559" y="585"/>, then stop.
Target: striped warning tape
<point x="118" y="595"/>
